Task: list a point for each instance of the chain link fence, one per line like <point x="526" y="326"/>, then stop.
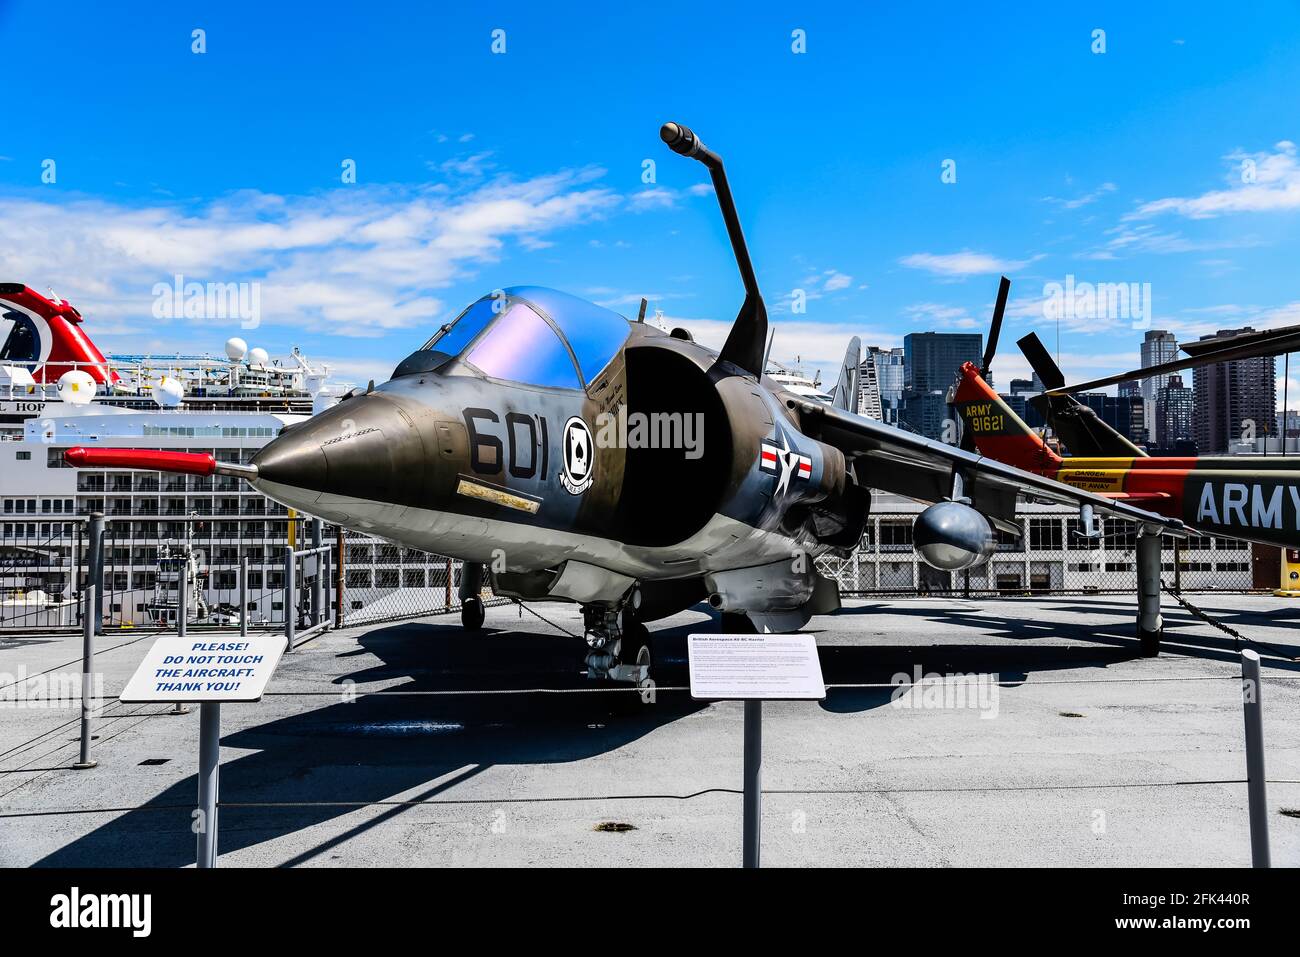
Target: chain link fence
<point x="148" y="559"/>
<point x="1050" y="556"/>
<point x="43" y="568"/>
<point x="386" y="582"/>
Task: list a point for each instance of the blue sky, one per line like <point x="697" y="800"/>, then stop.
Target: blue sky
<point x="478" y="170"/>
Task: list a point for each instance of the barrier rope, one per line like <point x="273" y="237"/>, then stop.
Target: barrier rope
<point x="524" y="608"/>
<point x="1237" y="637"/>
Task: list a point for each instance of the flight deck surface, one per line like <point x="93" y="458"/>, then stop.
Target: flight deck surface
<point x="1078" y="753"/>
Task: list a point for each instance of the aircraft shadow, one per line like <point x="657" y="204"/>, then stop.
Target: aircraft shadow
<point x="422" y="746"/>
<point x="1185" y="634"/>
<point x="383" y="745"/>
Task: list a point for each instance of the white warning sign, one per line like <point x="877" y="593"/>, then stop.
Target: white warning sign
<point x="205" y="669"/>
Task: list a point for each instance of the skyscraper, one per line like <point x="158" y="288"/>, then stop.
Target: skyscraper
<point x="931" y="361"/>
<point x="869" y="389"/>
<point x="889" y="380"/>
<point x="1174" y="408"/>
<point x="1158" y="347"/>
<point x="1123" y="413"/>
<point x="1233" y="400"/>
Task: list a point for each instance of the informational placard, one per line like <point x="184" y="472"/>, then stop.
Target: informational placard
<point x="205" y="669"/>
<point x="755" y="668"/>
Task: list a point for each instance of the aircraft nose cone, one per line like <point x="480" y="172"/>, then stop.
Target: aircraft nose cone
<point x="365" y="448"/>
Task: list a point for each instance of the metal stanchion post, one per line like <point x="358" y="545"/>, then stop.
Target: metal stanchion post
<point x="243" y="596"/>
<point x="290" y="599"/>
<point x="87" y="671"/>
<point x="318" y="582"/>
<point x="1257" y="799"/>
<point x="182" y="614"/>
<point x="209" y="781"/>
<point x="322" y="586"/>
<point x="338" y="578"/>
<point x="183" y="600"/>
<point x="753" y="782"/>
<point x="95" y="571"/>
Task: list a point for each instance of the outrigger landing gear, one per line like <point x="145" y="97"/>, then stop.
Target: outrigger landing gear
<point x="1150" y="623"/>
<point x="619" y="646"/>
<point x="472" y="611"/>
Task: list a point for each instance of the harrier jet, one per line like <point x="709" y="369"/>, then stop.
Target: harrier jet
<point x="568" y="453"/>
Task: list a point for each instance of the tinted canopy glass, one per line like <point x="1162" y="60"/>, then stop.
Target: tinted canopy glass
<point x="455" y="336"/>
<point x="522" y="347"/>
<point x="594" y="333"/>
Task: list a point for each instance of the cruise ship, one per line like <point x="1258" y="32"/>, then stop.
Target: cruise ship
<point x="164" y="531"/>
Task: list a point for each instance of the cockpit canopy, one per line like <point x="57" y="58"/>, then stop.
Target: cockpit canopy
<point x="527" y="334"/>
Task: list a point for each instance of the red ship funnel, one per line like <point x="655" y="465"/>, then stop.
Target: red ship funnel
<point x="46" y="336"/>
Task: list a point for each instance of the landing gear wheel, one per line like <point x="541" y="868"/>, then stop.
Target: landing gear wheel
<point x="635" y="644"/>
<point x="1150" y="642"/>
<point x="637" y="650"/>
<point x="472" y="613"/>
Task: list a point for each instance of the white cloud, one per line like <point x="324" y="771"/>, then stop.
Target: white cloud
<point x="1083" y="200"/>
<point x="350" y="261"/>
<point x="1207" y="320"/>
<point x="656" y="197"/>
<point x="1148" y="238"/>
<point x="812" y="346"/>
<point x="964" y="263"/>
<point x="1257" y="182"/>
<point x="472" y="165"/>
<point x="933" y="315"/>
<point x="836" y="281"/>
<point x="1010" y="363"/>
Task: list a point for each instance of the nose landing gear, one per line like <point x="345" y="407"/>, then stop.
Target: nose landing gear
<point x="619" y="646"/>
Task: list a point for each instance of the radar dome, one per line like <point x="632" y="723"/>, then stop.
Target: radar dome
<point x="76" y="387"/>
<point x="168" y="392"/>
<point x="258" y="357"/>
<point x="236" y="349"/>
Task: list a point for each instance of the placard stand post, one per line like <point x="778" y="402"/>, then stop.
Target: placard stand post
<point x="209" y="780"/>
<point x="753" y="826"/>
<point x="754" y="668"/>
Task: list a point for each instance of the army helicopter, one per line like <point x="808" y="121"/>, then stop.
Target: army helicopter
<point x="567" y="453"/>
<point x="1253" y="498"/>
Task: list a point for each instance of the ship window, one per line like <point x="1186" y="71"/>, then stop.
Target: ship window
<point x="521" y="346"/>
<point x="455" y="336"/>
<point x="21" y="341"/>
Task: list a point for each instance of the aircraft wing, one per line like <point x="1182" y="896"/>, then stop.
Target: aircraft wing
<point x="919" y="468"/>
